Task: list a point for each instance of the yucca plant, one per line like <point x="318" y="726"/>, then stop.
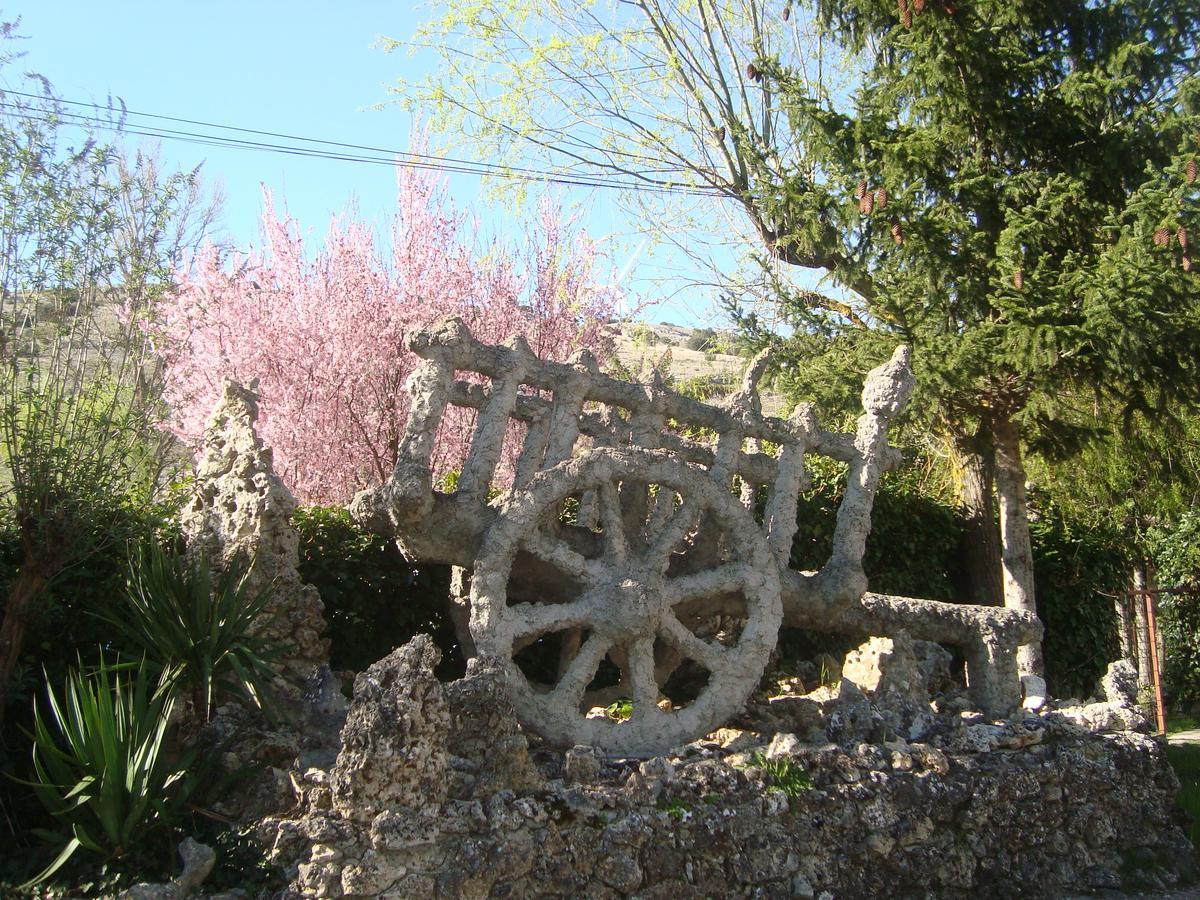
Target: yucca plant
<point x="202" y="626"/>
<point x="100" y="765"/>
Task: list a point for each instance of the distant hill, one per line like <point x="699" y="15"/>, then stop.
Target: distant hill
<point x="696" y="355"/>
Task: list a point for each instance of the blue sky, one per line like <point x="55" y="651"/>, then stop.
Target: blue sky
<point x="303" y="68"/>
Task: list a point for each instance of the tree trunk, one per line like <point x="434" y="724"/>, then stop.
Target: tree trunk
<point x="1124" y="611"/>
<point x="1017" y="554"/>
<point x="980" y="543"/>
<point x="1141" y="629"/>
<point x="30" y="583"/>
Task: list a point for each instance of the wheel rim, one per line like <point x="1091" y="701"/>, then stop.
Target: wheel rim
<point x="628" y="598"/>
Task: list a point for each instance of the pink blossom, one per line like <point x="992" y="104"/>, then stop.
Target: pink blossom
<point x="325" y="335"/>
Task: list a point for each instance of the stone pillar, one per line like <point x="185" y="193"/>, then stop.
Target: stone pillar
<point x="240" y="512"/>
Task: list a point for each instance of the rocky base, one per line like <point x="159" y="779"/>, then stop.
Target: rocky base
<point x="437" y="793"/>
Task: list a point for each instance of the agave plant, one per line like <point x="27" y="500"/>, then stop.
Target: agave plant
<point x="99" y="759"/>
<point x="200" y="626"/>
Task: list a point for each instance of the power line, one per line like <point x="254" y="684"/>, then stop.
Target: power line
<point x="345" y="152"/>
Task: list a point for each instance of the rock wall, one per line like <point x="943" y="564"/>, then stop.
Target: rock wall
<point x="437" y="793"/>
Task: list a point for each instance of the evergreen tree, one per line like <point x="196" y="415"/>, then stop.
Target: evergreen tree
<point x="1012" y="191"/>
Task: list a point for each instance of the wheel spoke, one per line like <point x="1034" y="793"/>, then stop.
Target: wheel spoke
<point x="672" y="533"/>
<point x="555" y="552"/>
<point x="534" y="619"/>
<point x="660" y="515"/>
<point x="675" y="633"/>
<point x="639" y="676"/>
<point x="581" y="671"/>
<point x="721" y="580"/>
<point x="616" y="547"/>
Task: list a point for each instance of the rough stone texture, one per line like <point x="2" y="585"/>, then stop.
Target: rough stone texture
<point x="887" y="666"/>
<point x="241" y="511"/>
<point x="1119" y="710"/>
<point x="1061" y="810"/>
<point x="393" y="753"/>
<point x="198" y="861"/>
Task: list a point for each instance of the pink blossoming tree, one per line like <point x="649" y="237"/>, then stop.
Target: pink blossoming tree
<point x="324" y="335"/>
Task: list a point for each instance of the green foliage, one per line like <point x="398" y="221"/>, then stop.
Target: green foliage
<point x="85" y="247"/>
<point x="913" y="549"/>
<point x="674" y="807"/>
<point x="619" y="710"/>
<point x="62" y="626"/>
<point x="375" y="600"/>
<point x="1185" y="760"/>
<point x="101" y="764"/>
<point x="785" y="774"/>
<point x="1176" y="553"/>
<point x="201" y="628"/>
<point x="1079" y="568"/>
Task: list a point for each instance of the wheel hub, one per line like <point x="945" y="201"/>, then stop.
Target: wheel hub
<point x="636" y="608"/>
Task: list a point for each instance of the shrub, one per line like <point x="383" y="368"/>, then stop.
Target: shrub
<point x="1177" y="558"/>
<point x="101" y="766"/>
<point x="375" y="600"/>
<point x="1078" y="569"/>
<point x="200" y="627"/>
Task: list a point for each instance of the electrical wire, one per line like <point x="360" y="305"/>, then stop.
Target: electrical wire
<point x="364" y="154"/>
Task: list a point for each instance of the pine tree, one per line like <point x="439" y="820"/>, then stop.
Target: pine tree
<point x="1033" y="155"/>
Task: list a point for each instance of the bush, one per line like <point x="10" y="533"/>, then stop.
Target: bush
<point x="1176" y="553"/>
<point x="100" y="762"/>
<point x="375" y="599"/>
<point x="1078" y="569"/>
<point x="201" y="627"/>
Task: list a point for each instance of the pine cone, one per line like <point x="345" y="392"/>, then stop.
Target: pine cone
<point x="862" y="190"/>
<point x="881" y="198"/>
<point x="752" y="72"/>
<point x="1186" y="262"/>
<point x="866" y="205"/>
<point x="787" y="12"/>
<point x="1161" y="236"/>
<point x="918" y="6"/>
<point x="719" y="132"/>
<point x="1181" y="235"/>
<point x="906" y="18"/>
<point x="1190" y="171"/>
<point x="1019" y="280"/>
<point x="897" y="234"/>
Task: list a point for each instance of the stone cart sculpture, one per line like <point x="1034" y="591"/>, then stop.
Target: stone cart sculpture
<point x="633" y="548"/>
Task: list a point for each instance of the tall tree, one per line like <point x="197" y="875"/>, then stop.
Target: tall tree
<point x="1010" y="189"/>
<point x="324" y="333"/>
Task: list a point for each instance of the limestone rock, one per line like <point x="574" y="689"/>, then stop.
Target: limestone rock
<point x="1120" y="683"/>
<point x="853" y="820"/>
<point x="1105" y="716"/>
<point x="933" y="661"/>
<point x="1033" y="689"/>
<point x="887" y="666"/>
<point x="394" y="742"/>
<point x="241" y="512"/>
<point x="198" y="861"/>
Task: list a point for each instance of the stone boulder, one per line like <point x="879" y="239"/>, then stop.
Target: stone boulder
<point x="1118" y="711"/>
<point x="394" y="743"/>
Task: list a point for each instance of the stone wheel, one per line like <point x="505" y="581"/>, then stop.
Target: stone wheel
<point x="625" y="594"/>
